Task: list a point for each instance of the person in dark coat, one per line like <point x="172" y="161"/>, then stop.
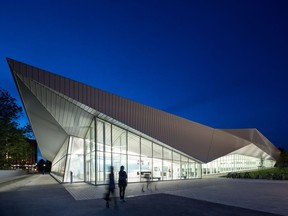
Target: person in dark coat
<point x="122" y="183"/>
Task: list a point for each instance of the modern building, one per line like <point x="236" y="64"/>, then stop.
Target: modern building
<point x="84" y="130"/>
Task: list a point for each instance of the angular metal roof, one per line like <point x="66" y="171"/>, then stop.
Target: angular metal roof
<point x="57" y="107"/>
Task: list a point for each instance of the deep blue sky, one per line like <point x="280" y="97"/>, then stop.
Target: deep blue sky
<point x="220" y="63"/>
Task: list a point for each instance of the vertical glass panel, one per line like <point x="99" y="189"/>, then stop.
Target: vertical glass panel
<point x="88" y="167"/>
<point x="90" y="154"/>
<point x="157" y="168"/>
<point x="118" y="140"/>
<point x="184" y="170"/>
<point x="62" y="166"/>
<point x="191" y="169"/>
<point x="198" y="170"/>
<point x="123" y="161"/>
<point x="176" y="156"/>
<point x="133" y="144"/>
<point x="133" y="169"/>
<point x="76" y="166"/>
<point x="108" y="164"/>
<point x="100" y="167"/>
<point x="157" y="151"/>
<point x="92" y="168"/>
<point x="167" y="153"/>
<point x="146" y="164"/>
<point x="146" y="147"/>
<point x="146" y="167"/>
<point x="116" y="158"/>
<point x="87" y="142"/>
<point x="176" y="170"/>
<point x="58" y="169"/>
<point x="167" y="170"/>
<point x="76" y="145"/>
<point x="58" y="164"/>
<point x="100" y="136"/>
<point x="108" y="137"/>
<point x="92" y="136"/>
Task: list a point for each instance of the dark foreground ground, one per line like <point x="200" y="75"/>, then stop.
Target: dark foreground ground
<point x="54" y="199"/>
<point x="157" y="204"/>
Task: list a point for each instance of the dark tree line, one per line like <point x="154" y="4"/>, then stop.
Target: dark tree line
<point x="282" y="162"/>
<point x="13" y="138"/>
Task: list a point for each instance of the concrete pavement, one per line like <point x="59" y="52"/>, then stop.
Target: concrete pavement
<point x="42" y="195"/>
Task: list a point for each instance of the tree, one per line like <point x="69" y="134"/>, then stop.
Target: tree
<point x="283" y="159"/>
<point x="13" y="144"/>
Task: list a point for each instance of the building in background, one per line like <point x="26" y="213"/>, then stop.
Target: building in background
<point x="31" y="161"/>
<point x="84" y="130"/>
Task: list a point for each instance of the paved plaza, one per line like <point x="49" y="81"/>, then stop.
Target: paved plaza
<point x="42" y="195"/>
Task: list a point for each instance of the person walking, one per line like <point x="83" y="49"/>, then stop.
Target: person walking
<point x="122" y="183"/>
<point x="111" y="188"/>
<point x="147" y="178"/>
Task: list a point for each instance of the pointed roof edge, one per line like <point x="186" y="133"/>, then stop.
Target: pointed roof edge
<point x="157" y="124"/>
<point x="264" y="144"/>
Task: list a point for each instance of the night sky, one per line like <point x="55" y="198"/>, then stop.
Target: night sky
<point x="219" y="63"/>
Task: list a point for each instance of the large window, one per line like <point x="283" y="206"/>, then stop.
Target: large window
<point x="118" y="140"/>
<point x="234" y="163"/>
<point x="90" y="154"/>
<point x="107" y="144"/>
<point x="133" y="144"/>
<point x="75" y="160"/>
<point x="146" y="148"/>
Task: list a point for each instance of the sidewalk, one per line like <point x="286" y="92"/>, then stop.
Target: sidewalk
<point x="42" y="195"/>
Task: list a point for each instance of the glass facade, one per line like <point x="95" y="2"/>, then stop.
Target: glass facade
<point x="68" y="164"/>
<point x="235" y="163"/>
<point x="107" y="144"/>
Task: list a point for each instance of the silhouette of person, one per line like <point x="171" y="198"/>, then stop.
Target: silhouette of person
<point x="122" y="183"/>
<point x="111" y="188"/>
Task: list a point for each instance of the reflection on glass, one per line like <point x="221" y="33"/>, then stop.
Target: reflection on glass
<point x="167" y="153"/>
<point x="157" y="151"/>
<point x="118" y="140"/>
<point x="146" y="147"/>
<point x="108" y="146"/>
<point x="133" y="144"/>
<point x="100" y="135"/>
<point x="133" y="170"/>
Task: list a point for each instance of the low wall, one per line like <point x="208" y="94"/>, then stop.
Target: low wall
<point x="6" y="174"/>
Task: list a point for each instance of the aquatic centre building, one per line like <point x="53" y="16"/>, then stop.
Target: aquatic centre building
<point x="84" y="130"/>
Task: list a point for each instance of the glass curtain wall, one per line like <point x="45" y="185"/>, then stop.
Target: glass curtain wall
<point x="107" y="144"/>
<point x="234" y="163"/>
<point x="89" y="152"/>
<point x="75" y="160"/>
<point x="68" y="165"/>
<point x="59" y="162"/>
